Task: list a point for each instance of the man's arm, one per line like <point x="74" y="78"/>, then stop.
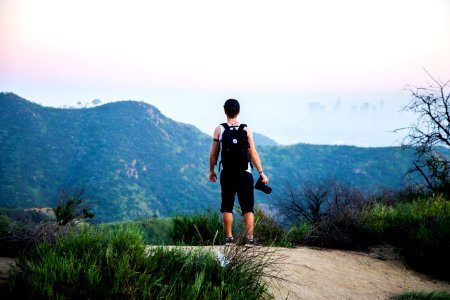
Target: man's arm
<point x="254" y="156"/>
<point x="214" y="155"/>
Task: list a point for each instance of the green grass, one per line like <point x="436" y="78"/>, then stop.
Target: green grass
<point x="421" y="229"/>
<point x="413" y="295"/>
<point x="155" y="231"/>
<point x="115" y="264"/>
<point x="198" y="229"/>
<point x="204" y="229"/>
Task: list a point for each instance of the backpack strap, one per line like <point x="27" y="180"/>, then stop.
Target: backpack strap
<point x="241" y="127"/>
<point x="225" y="125"/>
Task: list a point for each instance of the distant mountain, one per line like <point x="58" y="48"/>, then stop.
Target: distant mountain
<point x="262" y="140"/>
<point x="134" y="162"/>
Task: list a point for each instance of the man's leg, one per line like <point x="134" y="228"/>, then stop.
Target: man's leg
<point x="247" y="202"/>
<point x="249" y="223"/>
<point x="227" y="223"/>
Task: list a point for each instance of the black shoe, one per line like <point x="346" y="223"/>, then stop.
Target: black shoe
<point x="229" y="241"/>
<point x="253" y="243"/>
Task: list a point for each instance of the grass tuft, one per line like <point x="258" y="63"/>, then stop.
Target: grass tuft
<point x="114" y="264"/>
<point x="421" y="295"/>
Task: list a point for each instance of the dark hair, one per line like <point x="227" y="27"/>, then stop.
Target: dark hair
<point x="231" y="107"/>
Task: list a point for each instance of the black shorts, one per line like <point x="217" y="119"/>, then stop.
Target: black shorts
<point x="240" y="183"/>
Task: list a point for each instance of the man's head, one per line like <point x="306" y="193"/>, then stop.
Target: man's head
<point x="232" y="108"/>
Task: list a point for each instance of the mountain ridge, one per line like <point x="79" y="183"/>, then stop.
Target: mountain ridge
<point x="135" y="162"/>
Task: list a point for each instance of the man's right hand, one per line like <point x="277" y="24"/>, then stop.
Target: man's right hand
<point x="212" y="176"/>
<point x="264" y="178"/>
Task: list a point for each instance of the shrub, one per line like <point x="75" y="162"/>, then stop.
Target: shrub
<point x="413" y="295"/>
<point x="198" y="229"/>
<point x="20" y="236"/>
<point x="155" y="231"/>
<point x="25" y="216"/>
<point x="115" y="265"/>
<point x="345" y="232"/>
<point x="421" y="229"/>
<point x="267" y="230"/>
<point x="341" y="225"/>
<point x="72" y="206"/>
<point x="296" y="234"/>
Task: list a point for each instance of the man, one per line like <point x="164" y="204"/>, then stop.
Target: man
<point x="235" y="181"/>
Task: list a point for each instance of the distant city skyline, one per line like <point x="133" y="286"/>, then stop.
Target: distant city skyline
<point x="188" y="57"/>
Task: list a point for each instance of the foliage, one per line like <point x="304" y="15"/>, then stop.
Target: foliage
<point x="105" y="265"/>
<point x="72" y="207"/>
<point x="117" y="152"/>
<point x="422" y="295"/>
<point x="307" y="203"/>
<point x="330" y="213"/>
<point x="137" y="163"/>
<point x="21" y="230"/>
<point x="430" y="133"/>
<point x="18" y="237"/>
<point x="207" y="229"/>
<point x="420" y="228"/>
<point x="155" y="231"/>
<point x="295" y="235"/>
<point x="25" y="215"/>
<point x="198" y="229"/>
<point x="342" y="226"/>
<point x="268" y="231"/>
<point x="314" y="201"/>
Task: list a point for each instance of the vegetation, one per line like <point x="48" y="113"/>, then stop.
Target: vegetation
<point x="340" y="216"/>
<point x="421" y="229"/>
<point x="117" y="153"/>
<point x="413" y="295"/>
<point x="198" y="229"/>
<point x="134" y="163"/>
<point x="205" y="229"/>
<point x="116" y="265"/>
<point x="154" y="231"/>
<point x="121" y="164"/>
<point x="429" y="135"/>
<point x="72" y="207"/>
<point x="114" y="254"/>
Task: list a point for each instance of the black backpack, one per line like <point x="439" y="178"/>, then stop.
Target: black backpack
<point x="234" y="154"/>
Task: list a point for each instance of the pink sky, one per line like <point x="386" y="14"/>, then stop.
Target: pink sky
<point x="59" y="52"/>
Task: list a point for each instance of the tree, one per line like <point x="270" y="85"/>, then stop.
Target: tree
<point x="429" y="135"/>
<point x="307" y="203"/>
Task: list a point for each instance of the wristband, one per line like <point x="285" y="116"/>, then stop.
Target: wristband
<point x="260" y="171"/>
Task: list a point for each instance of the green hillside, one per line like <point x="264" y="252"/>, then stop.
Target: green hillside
<point x="365" y="167"/>
<point x="130" y="159"/>
<point x="134" y="162"/>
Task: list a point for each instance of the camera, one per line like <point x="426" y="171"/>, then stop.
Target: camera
<point x="262" y="187"/>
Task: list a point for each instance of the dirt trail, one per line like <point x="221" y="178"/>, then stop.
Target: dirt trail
<point x="332" y="274"/>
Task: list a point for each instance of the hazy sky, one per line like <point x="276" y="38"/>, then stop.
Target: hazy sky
<point x="276" y="57"/>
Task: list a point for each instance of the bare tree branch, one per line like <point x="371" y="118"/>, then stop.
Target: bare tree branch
<point x="430" y="131"/>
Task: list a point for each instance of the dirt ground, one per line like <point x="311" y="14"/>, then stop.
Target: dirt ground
<point x="335" y="274"/>
<point x="309" y="273"/>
